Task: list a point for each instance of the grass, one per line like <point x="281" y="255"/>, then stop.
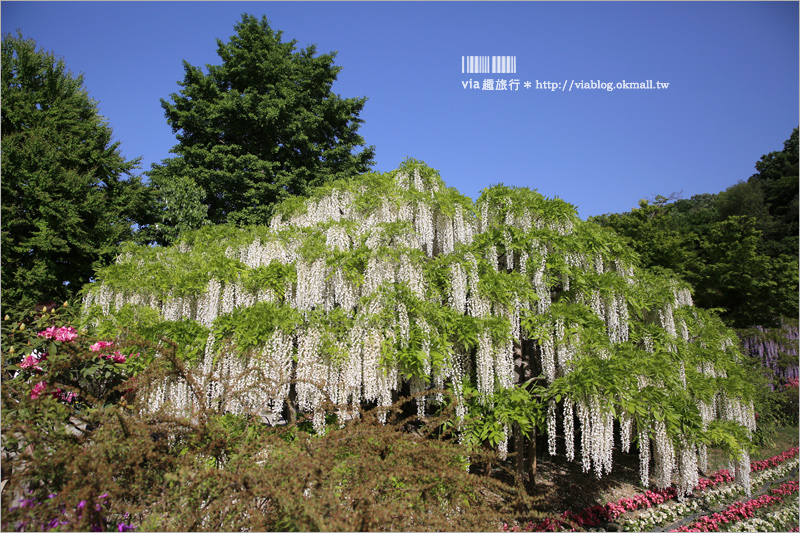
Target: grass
<point x="779" y="440"/>
<point x="783" y="439"/>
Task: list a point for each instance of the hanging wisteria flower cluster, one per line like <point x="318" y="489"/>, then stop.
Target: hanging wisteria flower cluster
<point x="776" y="349"/>
<point x="394" y="283"/>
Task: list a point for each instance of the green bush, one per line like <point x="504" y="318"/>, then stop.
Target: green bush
<point x="787" y="403"/>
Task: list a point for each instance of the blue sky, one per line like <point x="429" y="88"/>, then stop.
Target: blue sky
<point x="732" y="70"/>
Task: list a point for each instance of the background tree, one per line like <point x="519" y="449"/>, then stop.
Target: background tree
<point x="66" y="200"/>
<point x="736" y="277"/>
<point x="654" y="235"/>
<point x="261" y="126"/>
<point x="778" y="177"/>
<point x="738" y="248"/>
<point x="177" y="206"/>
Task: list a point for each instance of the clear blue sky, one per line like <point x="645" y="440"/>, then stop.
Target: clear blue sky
<point x="732" y="69"/>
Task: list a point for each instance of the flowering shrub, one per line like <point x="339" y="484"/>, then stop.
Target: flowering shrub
<point x="52" y="380"/>
<point x="58" y="353"/>
<point x="396" y="284"/>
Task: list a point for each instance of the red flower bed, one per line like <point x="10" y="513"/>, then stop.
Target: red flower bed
<point x="741" y="510"/>
<point x="597" y="515"/>
<point x="774" y="461"/>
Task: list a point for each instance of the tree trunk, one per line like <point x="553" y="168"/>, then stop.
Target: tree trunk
<point x="532" y="457"/>
<point x="519" y="449"/>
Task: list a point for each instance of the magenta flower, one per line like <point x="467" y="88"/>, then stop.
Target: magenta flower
<point x="62" y="395"/>
<point x="118" y="357"/>
<point x="60" y="334"/>
<point x="38" y="389"/>
<point x="99" y="345"/>
<point x="66" y="334"/>
<point x="31" y="361"/>
<point x="48" y="333"/>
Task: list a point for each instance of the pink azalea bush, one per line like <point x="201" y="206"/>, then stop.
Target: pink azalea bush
<point x="58" y="362"/>
<point x="33" y="362"/>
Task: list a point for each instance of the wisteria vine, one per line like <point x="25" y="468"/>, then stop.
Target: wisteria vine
<point x="394" y="280"/>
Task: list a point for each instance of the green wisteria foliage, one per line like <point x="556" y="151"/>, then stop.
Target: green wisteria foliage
<point x="510" y="307"/>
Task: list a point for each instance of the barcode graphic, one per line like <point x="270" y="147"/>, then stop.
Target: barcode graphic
<point x="483" y="64"/>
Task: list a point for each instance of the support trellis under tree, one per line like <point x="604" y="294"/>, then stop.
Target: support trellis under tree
<point x="394" y="280"/>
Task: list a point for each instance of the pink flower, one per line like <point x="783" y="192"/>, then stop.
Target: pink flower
<point x="31" y="361"/>
<point x="66" y="396"/>
<point x="38" y="389"/>
<point x="118" y="357"/>
<point x="49" y="333"/>
<point x="99" y="345"/>
<point x="59" y="334"/>
<point x="66" y="334"/>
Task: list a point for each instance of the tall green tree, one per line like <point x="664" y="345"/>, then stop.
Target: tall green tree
<point x="68" y="196"/>
<point x="177" y="206"/>
<point x="751" y="288"/>
<point x="779" y="179"/>
<point x="654" y="234"/>
<point x="261" y="126"/>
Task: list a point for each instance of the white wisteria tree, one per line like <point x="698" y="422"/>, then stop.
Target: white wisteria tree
<point x="390" y="284"/>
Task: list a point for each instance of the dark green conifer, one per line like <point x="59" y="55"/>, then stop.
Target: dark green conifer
<point x="67" y="195"/>
<point x="261" y="126"/>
